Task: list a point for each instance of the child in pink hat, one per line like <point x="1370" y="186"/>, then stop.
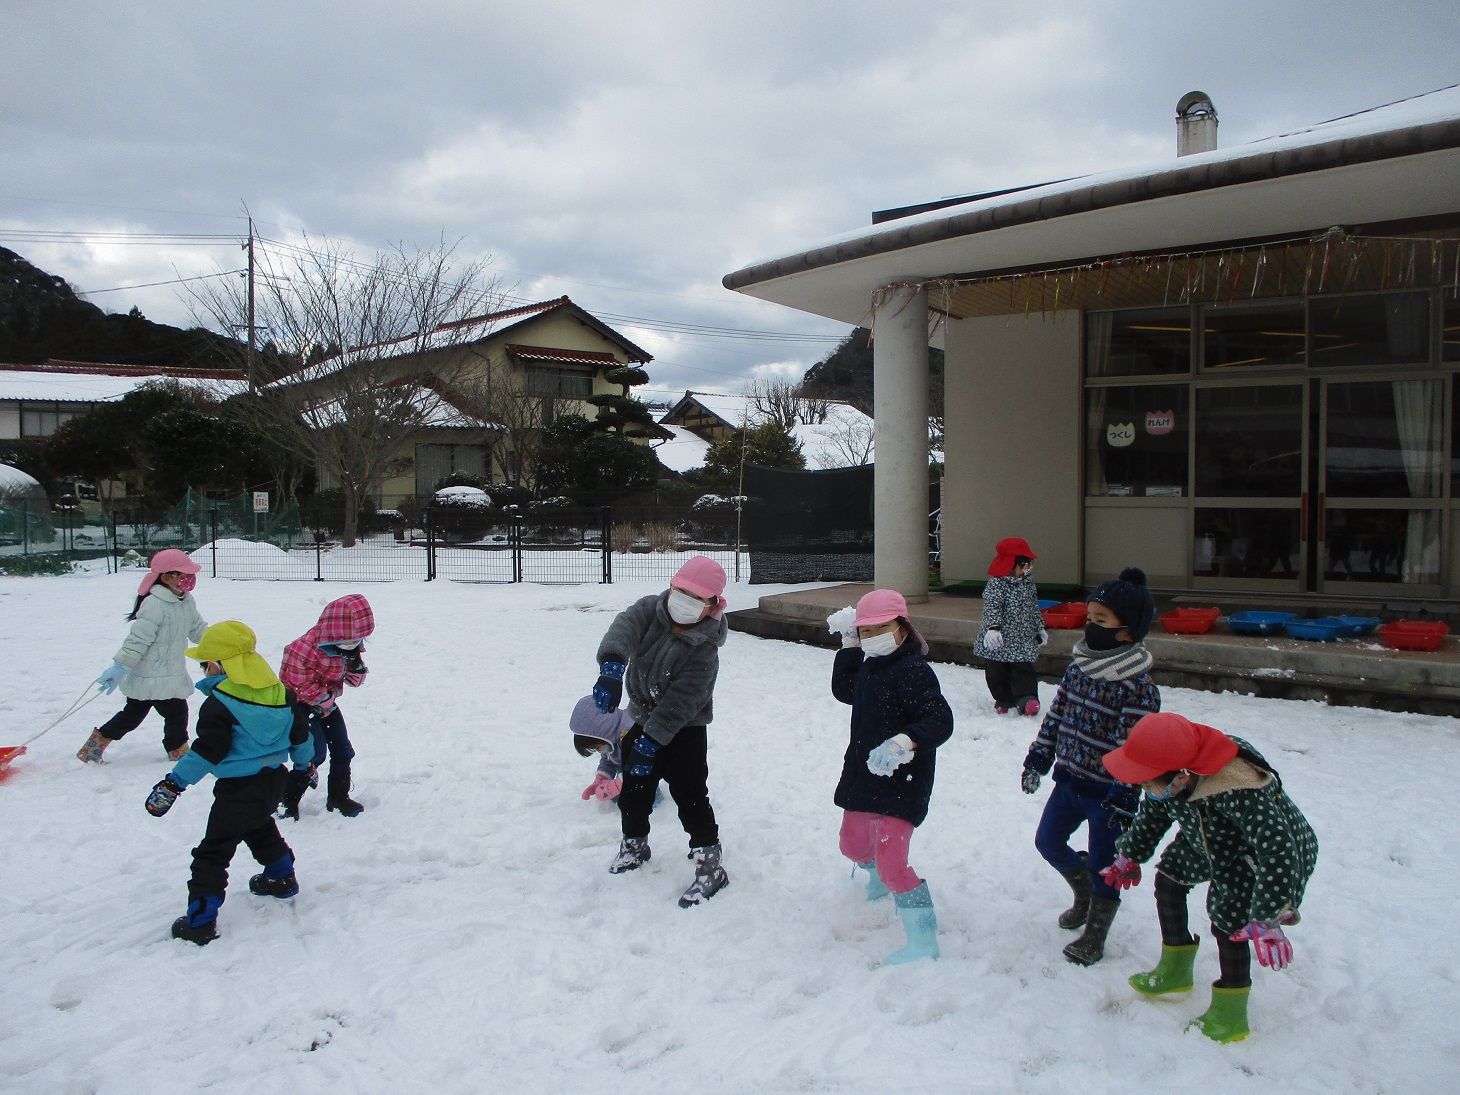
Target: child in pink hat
<point x="149" y="666"/>
<point x="664" y="650"/>
<point x="899" y="718"/>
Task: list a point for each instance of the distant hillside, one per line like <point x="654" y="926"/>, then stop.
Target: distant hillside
<point x="846" y="374"/>
<point x="42" y="318"/>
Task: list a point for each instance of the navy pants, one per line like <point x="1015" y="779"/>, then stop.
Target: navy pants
<point x="174" y="721"/>
<point x="330" y="735"/>
<point x="243" y="813"/>
<point x="1065" y="811"/>
<point x="684" y="765"/>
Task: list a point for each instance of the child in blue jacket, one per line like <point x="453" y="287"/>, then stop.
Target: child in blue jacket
<point x="899" y="718"/>
<point x="248" y="726"/>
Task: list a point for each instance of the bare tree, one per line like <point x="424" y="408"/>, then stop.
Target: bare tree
<point x="519" y="407"/>
<point x="847" y="442"/>
<point x="774" y="401"/>
<point x="383" y="345"/>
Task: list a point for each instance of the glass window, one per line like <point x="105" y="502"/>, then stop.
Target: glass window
<point x="559" y="382"/>
<point x="39" y="420"/>
<point x="1249" y="335"/>
<point x="1143" y="342"/>
<point x="1246" y="543"/>
<point x="1450" y="330"/>
<point x="1372" y="329"/>
<point x="1384" y="439"/>
<point x="1375" y="545"/>
<point x="1249" y="441"/>
<point x="1136" y="440"/>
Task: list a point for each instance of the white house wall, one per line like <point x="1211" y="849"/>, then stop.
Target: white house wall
<point x="1012" y="435"/>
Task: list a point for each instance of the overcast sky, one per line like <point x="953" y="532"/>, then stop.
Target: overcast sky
<point x="626" y="154"/>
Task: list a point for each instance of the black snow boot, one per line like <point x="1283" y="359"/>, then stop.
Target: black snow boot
<point x="1075" y="915"/>
<point x="200" y="924"/>
<point x="633" y="853"/>
<point x="338" y="791"/>
<point x="277" y="879"/>
<point x="1090" y="947"/>
<point x="710" y="877"/>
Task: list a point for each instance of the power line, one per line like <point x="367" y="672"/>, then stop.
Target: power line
<point x="151" y="284"/>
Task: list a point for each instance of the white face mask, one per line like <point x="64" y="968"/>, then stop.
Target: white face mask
<point x="684" y="609"/>
<point x="879" y="646"/>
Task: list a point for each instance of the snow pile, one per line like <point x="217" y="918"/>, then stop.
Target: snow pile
<point x="463" y="496"/>
<point x="464" y="935"/>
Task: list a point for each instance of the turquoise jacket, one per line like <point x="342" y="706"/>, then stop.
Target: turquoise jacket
<point x="243" y="730"/>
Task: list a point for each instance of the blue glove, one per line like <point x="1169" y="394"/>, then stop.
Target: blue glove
<point x="1122" y="801"/>
<point x="610" y="687"/>
<point x="164" y="794"/>
<point x="885" y="759"/>
<point x="642" y="754"/>
<point x="111" y="677"/>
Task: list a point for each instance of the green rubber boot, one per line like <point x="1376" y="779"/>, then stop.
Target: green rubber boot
<point x="1172" y="973"/>
<point x="876" y="888"/>
<point x="1226" y="1020"/>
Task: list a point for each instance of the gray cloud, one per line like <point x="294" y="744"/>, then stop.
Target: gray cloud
<point x="628" y="155"/>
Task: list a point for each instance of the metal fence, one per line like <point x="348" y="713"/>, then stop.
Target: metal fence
<point x="543" y="544"/>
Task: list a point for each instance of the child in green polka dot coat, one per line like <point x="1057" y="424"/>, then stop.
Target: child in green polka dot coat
<point x="1239" y="831"/>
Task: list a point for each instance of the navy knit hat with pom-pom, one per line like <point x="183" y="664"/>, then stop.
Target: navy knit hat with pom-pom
<point x="1128" y="597"/>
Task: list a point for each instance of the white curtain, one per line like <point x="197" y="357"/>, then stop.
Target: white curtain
<point x="1420" y="418"/>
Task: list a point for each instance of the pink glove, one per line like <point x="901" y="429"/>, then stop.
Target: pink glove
<point x="1268" y="942"/>
<point x="1122" y="874"/>
<point x="602" y="788"/>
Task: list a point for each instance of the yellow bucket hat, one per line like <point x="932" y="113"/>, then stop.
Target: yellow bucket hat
<point x="231" y="645"/>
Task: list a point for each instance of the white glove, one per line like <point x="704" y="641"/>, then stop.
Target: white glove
<point x="844" y="622"/>
<point x="993" y="640"/>
<point x="1043" y="637"/>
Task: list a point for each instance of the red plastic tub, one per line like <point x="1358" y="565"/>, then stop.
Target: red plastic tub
<point x="1190" y="621"/>
<point x="1414" y="634"/>
<point x="1067" y="616"/>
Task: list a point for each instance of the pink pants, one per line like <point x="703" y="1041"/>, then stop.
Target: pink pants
<point x="868" y="838"/>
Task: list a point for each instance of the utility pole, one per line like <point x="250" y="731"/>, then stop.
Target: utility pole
<point x="250" y="368"/>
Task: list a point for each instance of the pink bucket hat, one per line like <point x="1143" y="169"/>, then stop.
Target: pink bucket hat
<point x="703" y="577"/>
<point x="162" y="562"/>
<point x="884" y="605"/>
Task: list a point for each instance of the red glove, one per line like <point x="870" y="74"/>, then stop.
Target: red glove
<point x="1268" y="942"/>
<point x="1122" y="874"/>
<point x="602" y="788"/>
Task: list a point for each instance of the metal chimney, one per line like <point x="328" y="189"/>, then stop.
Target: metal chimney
<point x="1196" y="124"/>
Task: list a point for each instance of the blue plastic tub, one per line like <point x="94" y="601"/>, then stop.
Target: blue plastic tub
<point x="1048" y="604"/>
<point x="1321" y="630"/>
<point x="1355" y="626"/>
<point x="1258" y="623"/>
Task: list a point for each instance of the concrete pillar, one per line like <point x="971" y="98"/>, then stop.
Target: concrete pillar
<point x="900" y="406"/>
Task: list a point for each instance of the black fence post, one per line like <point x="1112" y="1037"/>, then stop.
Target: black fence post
<point x="318" y="561"/>
<point x="605" y="543"/>
<point x="516" y="537"/>
<point x="430" y="546"/>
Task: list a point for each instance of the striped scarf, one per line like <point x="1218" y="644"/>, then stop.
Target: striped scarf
<point x="1120" y="664"/>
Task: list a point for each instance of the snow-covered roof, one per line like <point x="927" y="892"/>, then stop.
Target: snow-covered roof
<point x="15" y="483"/>
<point x="68" y="386"/>
<point x="685" y="452"/>
<point x="842" y="439"/>
<point x="1389" y="163"/>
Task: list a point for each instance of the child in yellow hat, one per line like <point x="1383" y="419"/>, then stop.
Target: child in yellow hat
<point x="247" y="727"/>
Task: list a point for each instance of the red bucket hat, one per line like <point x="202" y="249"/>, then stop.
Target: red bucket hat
<point x="1005" y="552"/>
<point x="1168" y="742"/>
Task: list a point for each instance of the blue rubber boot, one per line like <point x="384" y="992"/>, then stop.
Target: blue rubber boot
<point x="200" y="925"/>
<point x="876" y="888"/>
<point x="921" y="924"/>
<point x="277" y="880"/>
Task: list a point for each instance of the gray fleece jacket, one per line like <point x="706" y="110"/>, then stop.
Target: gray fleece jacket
<point x="671" y="674"/>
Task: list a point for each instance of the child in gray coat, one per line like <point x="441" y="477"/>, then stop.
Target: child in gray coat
<point x="666" y="648"/>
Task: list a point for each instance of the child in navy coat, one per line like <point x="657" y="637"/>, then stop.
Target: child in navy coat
<point x="899" y="718"/>
<point x="1105" y="690"/>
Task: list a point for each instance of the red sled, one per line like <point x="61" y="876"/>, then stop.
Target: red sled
<point x="9" y="753"/>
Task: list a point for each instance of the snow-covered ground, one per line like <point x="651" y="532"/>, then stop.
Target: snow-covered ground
<point x="463" y="934"/>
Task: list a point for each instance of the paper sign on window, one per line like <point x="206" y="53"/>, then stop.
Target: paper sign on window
<point x="1120" y="435"/>
<point x="1160" y="422"/>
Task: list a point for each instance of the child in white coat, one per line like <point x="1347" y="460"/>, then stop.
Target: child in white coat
<point x="150" y="667"/>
